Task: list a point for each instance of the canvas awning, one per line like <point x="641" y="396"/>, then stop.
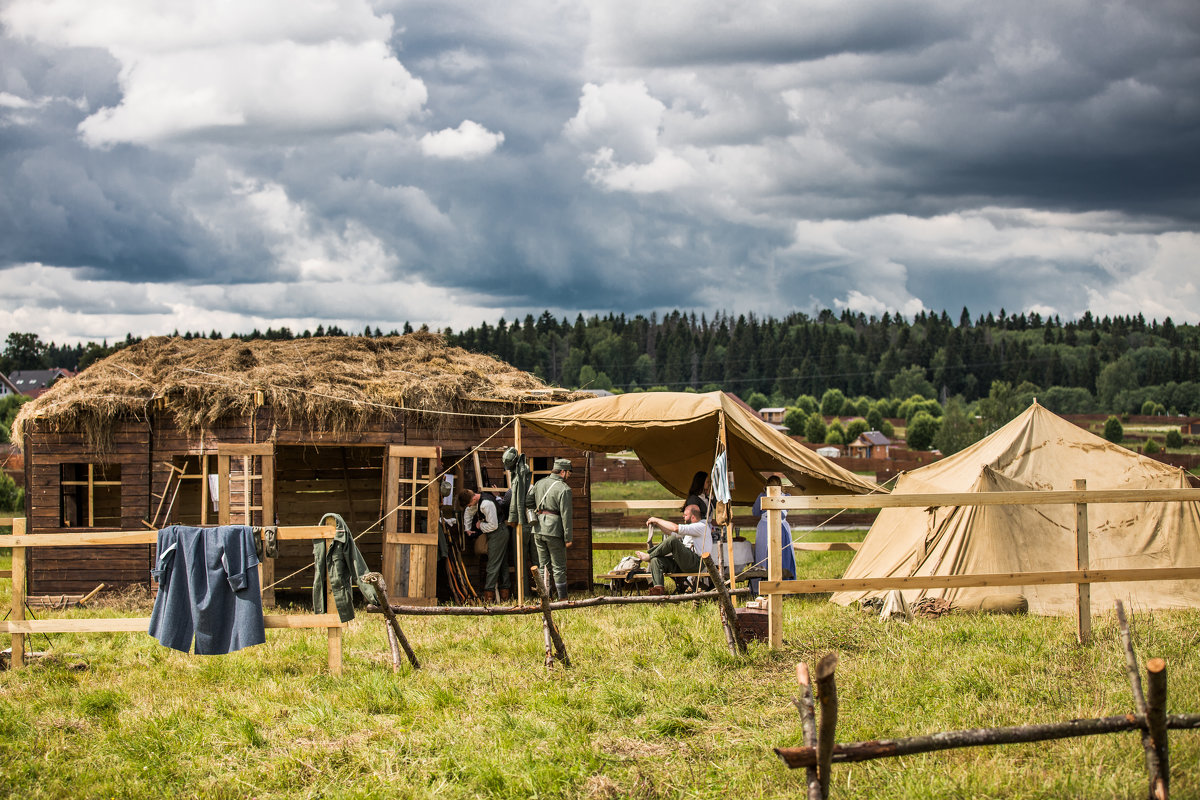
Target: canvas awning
<point x="675" y="435"/>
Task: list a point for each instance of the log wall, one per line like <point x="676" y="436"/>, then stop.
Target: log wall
<point x="315" y="473"/>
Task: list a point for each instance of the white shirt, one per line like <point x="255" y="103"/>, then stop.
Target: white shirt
<point x="696" y="537"/>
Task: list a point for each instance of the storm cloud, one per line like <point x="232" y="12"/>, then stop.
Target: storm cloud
<point x="229" y="166"/>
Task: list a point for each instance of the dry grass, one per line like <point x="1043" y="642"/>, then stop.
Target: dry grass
<point x="329" y="384"/>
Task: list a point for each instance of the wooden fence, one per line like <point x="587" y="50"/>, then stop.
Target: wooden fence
<point x="1082" y="576"/>
<point x="20" y="627"/>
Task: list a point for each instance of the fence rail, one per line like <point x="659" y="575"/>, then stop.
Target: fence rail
<point x="775" y="503"/>
<point x="19" y="627"/>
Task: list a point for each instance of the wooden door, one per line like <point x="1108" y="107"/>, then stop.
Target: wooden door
<point x="246" y="494"/>
<point x="411" y="504"/>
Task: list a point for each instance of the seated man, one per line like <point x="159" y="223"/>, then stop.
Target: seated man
<point x="681" y="551"/>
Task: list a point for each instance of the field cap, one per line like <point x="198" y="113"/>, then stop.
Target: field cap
<point x="561" y="464"/>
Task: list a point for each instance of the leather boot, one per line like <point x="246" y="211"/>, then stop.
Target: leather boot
<point x="561" y="588"/>
<point x="504" y="595"/>
<point x="489" y="597"/>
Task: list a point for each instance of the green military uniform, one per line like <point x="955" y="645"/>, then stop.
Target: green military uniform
<point x="550" y="498"/>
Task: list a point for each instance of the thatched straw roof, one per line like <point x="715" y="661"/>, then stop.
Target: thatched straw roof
<point x="328" y="384"/>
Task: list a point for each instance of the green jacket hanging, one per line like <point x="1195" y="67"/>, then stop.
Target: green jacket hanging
<point x="344" y="565"/>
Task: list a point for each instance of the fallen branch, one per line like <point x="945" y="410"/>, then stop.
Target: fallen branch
<point x="395" y="635"/>
<point x="796" y="757"/>
<point x="561" y="605"/>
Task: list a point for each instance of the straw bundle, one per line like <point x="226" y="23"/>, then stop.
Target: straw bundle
<point x="328" y="384"/>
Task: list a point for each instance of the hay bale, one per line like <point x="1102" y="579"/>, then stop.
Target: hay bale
<point x="328" y="385"/>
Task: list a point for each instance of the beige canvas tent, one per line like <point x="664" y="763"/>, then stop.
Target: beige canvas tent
<point x="1037" y="450"/>
<point x="675" y="434"/>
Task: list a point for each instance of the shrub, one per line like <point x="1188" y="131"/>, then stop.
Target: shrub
<point x="856" y="428"/>
<point x="1151" y="447"/>
<point x="836" y="434"/>
<point x="814" y="429"/>
<point x="1174" y="439"/>
<point x="922" y="431"/>
<point x="1113" y="430"/>
<point x="794" y="421"/>
<point x="831" y="402"/>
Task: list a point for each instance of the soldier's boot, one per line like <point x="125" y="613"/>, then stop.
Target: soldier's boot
<point x="561" y="588"/>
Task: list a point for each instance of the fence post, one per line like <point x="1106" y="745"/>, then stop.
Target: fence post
<point x="18" y="594"/>
<point x="774" y="570"/>
<point x="1083" y="590"/>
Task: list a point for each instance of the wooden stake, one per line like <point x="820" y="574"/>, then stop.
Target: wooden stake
<point x="827" y="696"/>
<point x="1083" y="590"/>
<point x="733" y="634"/>
<point x="1156" y="721"/>
<point x="555" y="648"/>
<point x="395" y="635"/>
<point x="1153" y="768"/>
<point x="808" y="724"/>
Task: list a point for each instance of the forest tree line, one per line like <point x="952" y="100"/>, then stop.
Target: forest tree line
<point x="1121" y="364"/>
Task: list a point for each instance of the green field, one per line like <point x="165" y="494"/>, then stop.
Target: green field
<point x="654" y="707"/>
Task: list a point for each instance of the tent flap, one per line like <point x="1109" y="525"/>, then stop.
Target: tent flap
<point x="675" y="434"/>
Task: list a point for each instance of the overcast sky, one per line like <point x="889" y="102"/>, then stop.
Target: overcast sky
<point x="228" y="164"/>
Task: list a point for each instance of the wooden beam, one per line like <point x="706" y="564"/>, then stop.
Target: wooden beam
<point x="18" y="595"/>
<point x="287" y="532"/>
<point x="1056" y="497"/>
<point x="774" y="571"/>
<point x="975" y="581"/>
<point x="248" y="449"/>
<point x="1083" y="598"/>
<point x="140" y="624"/>
<point x="648" y="505"/>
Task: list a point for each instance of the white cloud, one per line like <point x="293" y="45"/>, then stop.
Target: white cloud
<point x="468" y="141"/>
<point x="621" y="117"/>
<point x="225" y="68"/>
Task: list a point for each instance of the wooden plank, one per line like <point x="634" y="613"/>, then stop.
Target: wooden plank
<point x="1056" y="497"/>
<point x="983" y="579"/>
<point x="774" y="571"/>
<point x="649" y="505"/>
<point x="422" y="539"/>
<point x="290" y="532"/>
<point x="1083" y="599"/>
<point x="826" y="547"/>
<point x="248" y="449"/>
<point x="223" y="465"/>
<point x="142" y="624"/>
<point x="267" y="567"/>
<point x="18" y="597"/>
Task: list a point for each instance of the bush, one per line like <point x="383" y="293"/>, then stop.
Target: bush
<point x="1113" y="430"/>
<point x="757" y="400"/>
<point x="814" y="429"/>
<point x="874" y="419"/>
<point x="887" y="429"/>
<point x="807" y="403"/>
<point x="12" y="498"/>
<point x="856" y="428"/>
<point x="831" y="402"/>
<point x="922" y="431"/>
<point x="836" y="434"/>
<point x="794" y="421"/>
<point x="1174" y="439"/>
<point x="1151" y="447"/>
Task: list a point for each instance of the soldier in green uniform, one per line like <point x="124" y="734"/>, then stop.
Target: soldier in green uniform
<point x="550" y="498"/>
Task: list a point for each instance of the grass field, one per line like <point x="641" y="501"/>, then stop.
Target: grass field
<point x="653" y="707"/>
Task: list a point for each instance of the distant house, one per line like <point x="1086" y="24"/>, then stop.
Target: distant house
<point x="870" y="444"/>
<point x="1190" y="427"/>
<point x="7" y="387"/>
<point x="33" y="382"/>
<point x="772" y="415"/>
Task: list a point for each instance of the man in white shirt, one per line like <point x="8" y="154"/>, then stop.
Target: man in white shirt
<point x="680" y="551"/>
<point x="480" y="516"/>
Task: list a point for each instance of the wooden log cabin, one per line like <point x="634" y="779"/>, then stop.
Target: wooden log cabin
<point x="206" y="432"/>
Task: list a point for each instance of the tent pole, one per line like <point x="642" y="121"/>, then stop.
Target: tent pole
<point x="521" y="571"/>
<point x="775" y="570"/>
<point x="729" y="512"/>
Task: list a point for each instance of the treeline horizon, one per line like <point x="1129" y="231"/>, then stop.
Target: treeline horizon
<point x="1117" y="364"/>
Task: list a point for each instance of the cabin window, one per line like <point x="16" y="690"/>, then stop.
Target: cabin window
<point x="91" y="496"/>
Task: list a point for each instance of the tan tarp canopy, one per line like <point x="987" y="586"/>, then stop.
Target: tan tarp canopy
<point x="1037" y="450"/>
<point x="675" y="435"/>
